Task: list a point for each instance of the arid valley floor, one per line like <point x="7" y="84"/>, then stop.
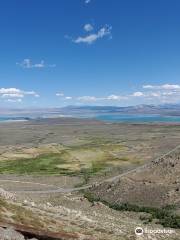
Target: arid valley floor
<point x="71" y="178"/>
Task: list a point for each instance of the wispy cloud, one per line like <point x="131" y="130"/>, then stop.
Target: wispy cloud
<point x="163" y="87"/>
<point x="27" y="63"/>
<point x="88" y="27"/>
<point x="93" y="37"/>
<point x="87" y="1"/>
<point x="87" y="99"/>
<point x="12" y="95"/>
<point x="15" y="95"/>
<point x="166" y="93"/>
<point x="68" y="98"/>
<point x="138" y="94"/>
<point x="111" y="97"/>
<point x="116" y="97"/>
<point x="19" y="100"/>
<point x="61" y="94"/>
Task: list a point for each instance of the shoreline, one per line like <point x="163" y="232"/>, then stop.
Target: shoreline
<point x="105" y="121"/>
<point x="12" y="121"/>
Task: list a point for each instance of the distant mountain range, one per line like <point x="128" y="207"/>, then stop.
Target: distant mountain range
<point x="166" y="109"/>
<point x="83" y="111"/>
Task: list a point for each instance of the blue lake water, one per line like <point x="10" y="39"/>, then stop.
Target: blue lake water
<point x="7" y="119"/>
<point x="138" y="118"/>
<point x="114" y="118"/>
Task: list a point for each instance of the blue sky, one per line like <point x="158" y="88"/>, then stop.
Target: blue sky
<point x="55" y="53"/>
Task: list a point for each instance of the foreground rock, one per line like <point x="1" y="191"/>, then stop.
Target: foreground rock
<point x="7" y="195"/>
<point x="11" y="234"/>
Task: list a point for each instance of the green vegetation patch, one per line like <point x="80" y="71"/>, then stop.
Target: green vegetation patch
<point x="85" y="161"/>
<point x="43" y="164"/>
<point x="49" y="164"/>
<point x="165" y="215"/>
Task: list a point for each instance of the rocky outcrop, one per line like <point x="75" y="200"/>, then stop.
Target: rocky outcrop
<point x="11" y="234"/>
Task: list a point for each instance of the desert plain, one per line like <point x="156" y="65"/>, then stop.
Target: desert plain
<point x="70" y="178"/>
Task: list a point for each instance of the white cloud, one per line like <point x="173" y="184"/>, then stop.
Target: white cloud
<point x="9" y="90"/>
<point x="87" y="99"/>
<point x="39" y="65"/>
<point x="68" y="98"/>
<point x="154" y="94"/>
<point x="107" y="98"/>
<point x="14" y="100"/>
<point x="116" y="97"/>
<point x="93" y="37"/>
<point x="164" y="86"/>
<point x="166" y="93"/>
<point x="138" y="94"/>
<point x="113" y="97"/>
<point x="14" y="94"/>
<point x="160" y="93"/>
<point x="60" y="94"/>
<point x="27" y="63"/>
<point x="88" y="27"/>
